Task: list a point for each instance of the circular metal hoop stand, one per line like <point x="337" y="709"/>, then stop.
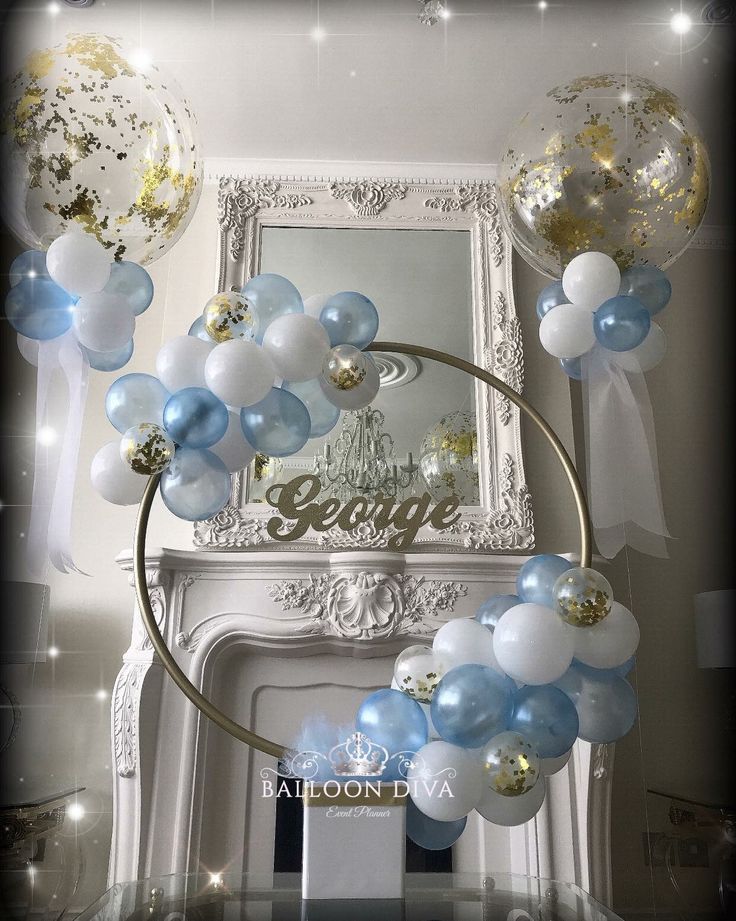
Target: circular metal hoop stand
<point x="139" y="547"/>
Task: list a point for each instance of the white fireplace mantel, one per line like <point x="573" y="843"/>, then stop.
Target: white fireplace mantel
<point x="271" y="636"/>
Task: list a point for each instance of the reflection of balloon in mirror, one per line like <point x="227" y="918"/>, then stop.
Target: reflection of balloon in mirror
<point x="445" y="763"/>
<point x="135" y="398"/>
<point x="146" y="448"/>
<point x="605" y="702"/>
<point x="448" y="458"/>
<point x="195" y="485"/>
<point x="575" y="177"/>
<point x="512" y="810"/>
<point x="350" y="318"/>
<point x="546" y="717"/>
<point x="429" y="833"/>
<point x="471" y="704"/>
<point x="510" y="764"/>
<point x="278" y="425"/>
<point x="113" y="479"/>
<point x="229" y="315"/>
<point x="323" y="415"/>
<point x="271" y="296"/>
<point x="91" y="139"/>
<point x="195" y="418"/>
<point x="582" y="596"/>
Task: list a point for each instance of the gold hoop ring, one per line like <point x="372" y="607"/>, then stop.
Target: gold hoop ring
<point x="139" y="545"/>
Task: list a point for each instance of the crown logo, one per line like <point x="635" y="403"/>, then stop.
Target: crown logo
<point x="358" y="756"/>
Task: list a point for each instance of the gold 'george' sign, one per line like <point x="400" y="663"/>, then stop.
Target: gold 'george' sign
<point x="295" y="501"/>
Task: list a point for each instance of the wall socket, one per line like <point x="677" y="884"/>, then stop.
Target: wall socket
<point x="684" y="852"/>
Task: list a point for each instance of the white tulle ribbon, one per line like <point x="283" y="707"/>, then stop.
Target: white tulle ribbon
<point x="59" y="412"/>
<point x="623" y="472"/>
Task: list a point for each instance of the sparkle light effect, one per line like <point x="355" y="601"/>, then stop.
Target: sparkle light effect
<point x="681" y="23"/>
<point x="445" y="13"/>
<point x="101" y="694"/>
<point x="52" y="652"/>
<point x="75" y="811"/>
<point x="46" y="436"/>
<point x="318" y="34"/>
<point x="215" y="879"/>
<point x="53" y="9"/>
<point x="141" y="59"/>
<point x="542" y="4"/>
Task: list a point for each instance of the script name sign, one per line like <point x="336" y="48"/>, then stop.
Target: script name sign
<point x="295" y="501"/>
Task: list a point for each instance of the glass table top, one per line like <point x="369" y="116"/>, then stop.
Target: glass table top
<point x="429" y="897"/>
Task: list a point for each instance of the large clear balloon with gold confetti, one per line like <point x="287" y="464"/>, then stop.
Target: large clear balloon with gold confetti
<point x="86" y="136"/>
<point x="610" y="163"/>
<point x="448" y="458"/>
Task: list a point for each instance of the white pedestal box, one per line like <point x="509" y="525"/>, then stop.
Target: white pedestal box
<point x="354" y="841"/>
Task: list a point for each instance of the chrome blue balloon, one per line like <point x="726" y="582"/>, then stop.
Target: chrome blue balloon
<point x="649" y="285"/>
<point x="350" y="318"/>
<point x="195" y="418"/>
<point x="109" y="361"/>
<point x="135" y="398"/>
<point x="572" y="367"/>
<point x="132" y="282"/>
<point x="471" y="704"/>
<point x="323" y="415"/>
<point x="547" y="719"/>
<point x="537" y="578"/>
<point x="621" y="323"/>
<point x="195" y="485"/>
<point x="489" y="613"/>
<point x="429" y="833"/>
<point x="271" y="296"/>
<point x="37" y="308"/>
<point x="277" y="426"/>
<point x="31" y="264"/>
<point x="605" y="702"/>
<point x="393" y="720"/>
<point x="549" y="297"/>
<point x="197" y="329"/>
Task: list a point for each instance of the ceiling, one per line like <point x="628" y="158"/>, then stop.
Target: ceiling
<point x="380" y="86"/>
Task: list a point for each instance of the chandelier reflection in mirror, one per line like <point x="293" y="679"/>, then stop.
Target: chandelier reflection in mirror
<point x="362" y="460"/>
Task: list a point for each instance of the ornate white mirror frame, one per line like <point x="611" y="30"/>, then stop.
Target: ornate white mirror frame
<point x="247" y="204"/>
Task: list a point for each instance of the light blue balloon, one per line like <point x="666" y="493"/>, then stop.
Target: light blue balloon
<point x="547" y="719"/>
<point x="135" y="398"/>
<point x="549" y="297"/>
<point x="31" y="264"/>
<point x="489" y="613"/>
<point x="621" y="323"/>
<point x="132" y="282"/>
<point x="393" y="720"/>
<point x="198" y="330"/>
<point x="277" y="426"/>
<point x="350" y="318"/>
<point x="649" y="285"/>
<point x="195" y="485"/>
<point x="195" y="418"/>
<point x="605" y="702"/>
<point x="271" y="296"/>
<point x="537" y="578"/>
<point x="471" y="704"/>
<point x="573" y="367"/>
<point x="323" y="415"/>
<point x="429" y="833"/>
<point x="109" y="361"/>
<point x="37" y="308"/>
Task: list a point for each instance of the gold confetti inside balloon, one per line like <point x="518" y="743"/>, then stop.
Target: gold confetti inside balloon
<point x="147" y="449"/>
<point x="608" y="163"/>
<point x="417" y="672"/>
<point x="86" y="137"/>
<point x="510" y="764"/>
<point x="229" y="315"/>
<point x="448" y="458"/>
<point x="582" y="596"/>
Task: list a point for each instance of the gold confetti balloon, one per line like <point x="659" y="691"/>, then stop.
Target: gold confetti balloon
<point x="229" y="315"/>
<point x="417" y="672"/>
<point x="86" y="137"/>
<point x="511" y="767"/>
<point x="609" y="163"/>
<point x="147" y="449"/>
<point x="448" y="458"/>
<point x="582" y="596"/>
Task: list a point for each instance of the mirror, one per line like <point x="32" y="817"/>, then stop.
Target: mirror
<point x="434" y="259"/>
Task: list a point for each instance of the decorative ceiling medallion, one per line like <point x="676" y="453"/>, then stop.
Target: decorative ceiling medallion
<point x="396" y="370"/>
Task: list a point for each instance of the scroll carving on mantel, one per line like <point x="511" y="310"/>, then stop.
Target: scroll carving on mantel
<point x="368" y="605"/>
<point x="368" y="196"/>
<point x="125" y="705"/>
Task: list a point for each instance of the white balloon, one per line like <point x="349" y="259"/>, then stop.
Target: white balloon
<point x="464" y="641"/>
<point x="297" y="345"/>
<point x="590" y="278"/>
<point x="78" y="263"/>
<point x="567" y="331"/>
<point x="533" y="644"/>
<point x="512" y="810"/>
<point x="439" y="769"/>
<point x="232" y="449"/>
<point x="103" y="322"/>
<point x="610" y="642"/>
<point x="113" y="479"/>
<point x="645" y="356"/>
<point x="180" y="362"/>
<point x="550" y="766"/>
<point x="239" y="372"/>
<point x="313" y="305"/>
